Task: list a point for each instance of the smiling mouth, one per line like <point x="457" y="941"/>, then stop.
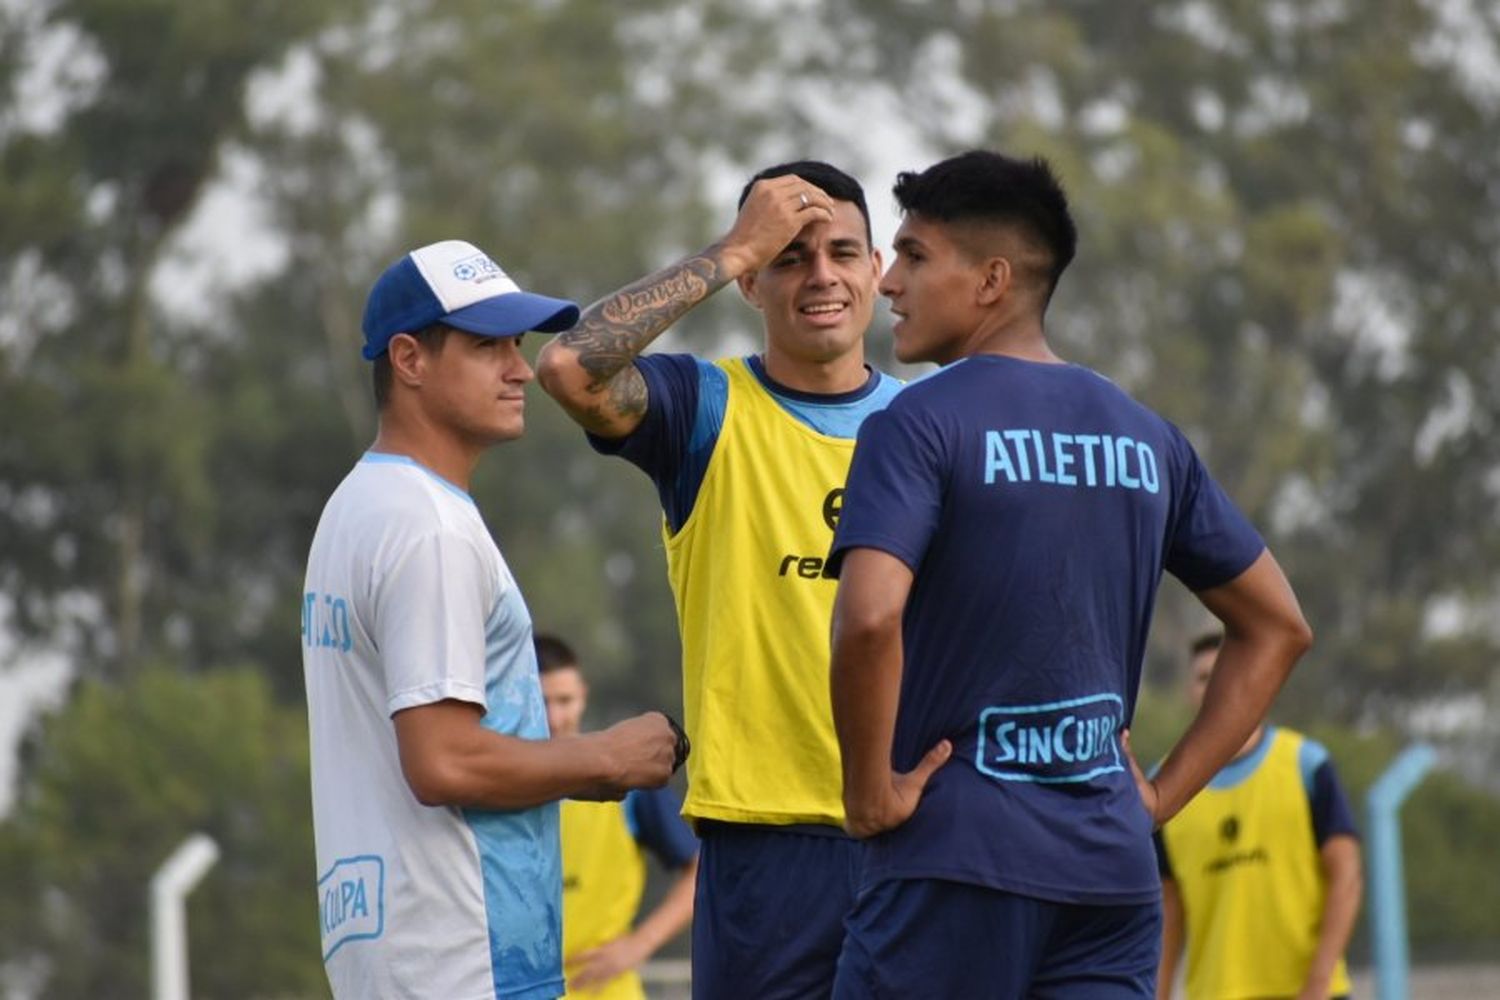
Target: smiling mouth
<point x="823" y="308"/>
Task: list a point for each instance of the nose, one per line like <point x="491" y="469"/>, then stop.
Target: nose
<point x="517" y="370"/>
<point x="821" y="273"/>
<point x="890" y="285"/>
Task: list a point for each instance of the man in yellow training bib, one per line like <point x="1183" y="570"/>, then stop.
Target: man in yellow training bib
<point x="1261" y="870"/>
<point x="603" y="858"/>
<point x="749" y="457"/>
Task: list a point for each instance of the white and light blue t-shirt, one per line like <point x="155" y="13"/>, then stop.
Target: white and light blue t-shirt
<point x="409" y="602"/>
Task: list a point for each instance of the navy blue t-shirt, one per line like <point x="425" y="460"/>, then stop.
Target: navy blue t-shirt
<point x="1037" y="505"/>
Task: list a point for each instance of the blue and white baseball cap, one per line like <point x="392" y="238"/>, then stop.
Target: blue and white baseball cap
<point x="458" y="284"/>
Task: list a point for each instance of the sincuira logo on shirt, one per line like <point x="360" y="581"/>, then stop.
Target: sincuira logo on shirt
<point x="351" y="901"/>
<point x="1060" y="741"/>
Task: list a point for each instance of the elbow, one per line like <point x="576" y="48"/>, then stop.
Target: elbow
<point x="1284" y="636"/>
<point x="859" y="627"/>
<point x="559" y="373"/>
<point x="426" y="790"/>
<point x="431" y="783"/>
<point x="1298" y="636"/>
<point x="1350" y="876"/>
<point x="550" y="369"/>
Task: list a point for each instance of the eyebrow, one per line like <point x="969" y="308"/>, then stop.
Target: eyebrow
<point x="908" y="243"/>
<point x="843" y="243"/>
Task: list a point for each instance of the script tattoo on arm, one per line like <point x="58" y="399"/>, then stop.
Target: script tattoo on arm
<point x="614" y="330"/>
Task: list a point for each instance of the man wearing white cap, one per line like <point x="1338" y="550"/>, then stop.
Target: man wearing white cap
<point x="434" y="783"/>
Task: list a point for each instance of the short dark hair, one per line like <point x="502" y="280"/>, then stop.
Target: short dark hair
<point x="430" y="337"/>
<point x="552" y="653"/>
<point x="1206" y="642"/>
<point x="986" y="187"/>
<point x="835" y="183"/>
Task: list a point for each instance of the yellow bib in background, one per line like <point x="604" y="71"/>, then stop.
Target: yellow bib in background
<point x="1247" y="864"/>
<point x="604" y="875"/>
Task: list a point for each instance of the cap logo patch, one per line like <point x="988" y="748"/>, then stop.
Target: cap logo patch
<point x="477" y="269"/>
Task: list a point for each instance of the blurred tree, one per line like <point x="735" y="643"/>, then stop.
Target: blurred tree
<point x="1289" y="242"/>
<point x="1290" y="217"/>
<point x="161" y="497"/>
<point x="104" y="472"/>
<point x="120" y="777"/>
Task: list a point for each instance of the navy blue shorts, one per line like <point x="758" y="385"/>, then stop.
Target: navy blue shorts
<point x="918" y="938"/>
<point x="768" y="915"/>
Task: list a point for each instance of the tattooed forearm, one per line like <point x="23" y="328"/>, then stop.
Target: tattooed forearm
<point x="615" y="329"/>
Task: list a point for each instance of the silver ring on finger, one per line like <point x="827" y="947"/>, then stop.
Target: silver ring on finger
<point x="802" y="198"/>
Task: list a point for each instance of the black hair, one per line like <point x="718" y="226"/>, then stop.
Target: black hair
<point x="985" y="187"/>
<point x="835" y="183"/>
<point x="1207" y="642"/>
<point x="553" y="653"/>
<point x="431" y="338"/>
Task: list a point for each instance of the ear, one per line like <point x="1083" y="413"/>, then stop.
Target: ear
<point x="748" y="287"/>
<point x="408" y="360"/>
<point x="995" y="276"/>
<point x="877" y="262"/>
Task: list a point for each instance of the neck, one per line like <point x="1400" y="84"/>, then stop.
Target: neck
<point x="842" y="374"/>
<point x="1251" y="742"/>
<point x="1013" y="336"/>
<point x="444" y="454"/>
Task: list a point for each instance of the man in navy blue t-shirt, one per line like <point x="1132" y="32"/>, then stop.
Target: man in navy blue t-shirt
<point x="1005" y="525"/>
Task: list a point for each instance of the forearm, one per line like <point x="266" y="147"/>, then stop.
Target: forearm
<point x="486" y="770"/>
<point x="1345" y="891"/>
<point x="590" y="369"/>
<point x="1238" y="698"/>
<point x="1166" y="970"/>
<point x="672" y="915"/>
<point x="1171" y="939"/>
<point x="1264" y="635"/>
<point x="865" y="680"/>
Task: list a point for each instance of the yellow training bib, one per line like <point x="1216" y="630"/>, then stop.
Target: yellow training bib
<point x="754" y="608"/>
<point x="604" y="876"/>
<point x="1246" y="862"/>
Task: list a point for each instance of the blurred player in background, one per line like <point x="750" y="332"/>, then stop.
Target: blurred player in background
<point x="1261" y="871"/>
<point x="604" y="847"/>
<point x="1005" y="527"/>
<point x="432" y="775"/>
<point x="749" y="457"/>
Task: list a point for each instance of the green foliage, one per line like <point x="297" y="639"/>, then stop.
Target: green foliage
<point x="118" y="779"/>
<point x="113" y="439"/>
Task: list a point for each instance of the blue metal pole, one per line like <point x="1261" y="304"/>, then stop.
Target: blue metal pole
<point x="1387" y="886"/>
